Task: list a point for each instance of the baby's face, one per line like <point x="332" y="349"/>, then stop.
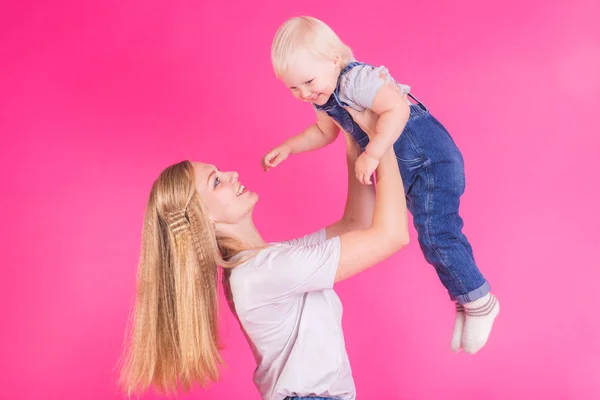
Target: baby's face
<point x="312" y="79"/>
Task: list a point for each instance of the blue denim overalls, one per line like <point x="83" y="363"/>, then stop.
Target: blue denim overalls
<point x="432" y="171"/>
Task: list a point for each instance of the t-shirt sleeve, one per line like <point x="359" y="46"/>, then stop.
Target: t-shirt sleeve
<point x="306" y="240"/>
<point x="300" y="269"/>
<point x="360" y="85"/>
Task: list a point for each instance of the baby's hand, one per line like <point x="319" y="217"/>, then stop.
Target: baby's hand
<point x="364" y="168"/>
<point x="276" y="156"/>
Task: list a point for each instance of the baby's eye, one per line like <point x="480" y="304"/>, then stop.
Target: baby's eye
<point x="217" y="181"/>
<point x="309" y="82"/>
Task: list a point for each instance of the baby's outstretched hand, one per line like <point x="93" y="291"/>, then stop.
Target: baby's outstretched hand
<point x="365" y="167"/>
<point x="276" y="156"/>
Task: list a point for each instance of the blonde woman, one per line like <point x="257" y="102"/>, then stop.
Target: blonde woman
<point x="199" y="218"/>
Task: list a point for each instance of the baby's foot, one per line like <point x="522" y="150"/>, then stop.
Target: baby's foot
<point x="459" y="324"/>
<point x="479" y="319"/>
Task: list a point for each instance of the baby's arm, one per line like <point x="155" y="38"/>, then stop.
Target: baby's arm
<point x="391" y="106"/>
<point x="373" y="88"/>
<point x="318" y="135"/>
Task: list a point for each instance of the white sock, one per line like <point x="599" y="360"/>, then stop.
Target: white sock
<point x="479" y="319"/>
<point x="457" y="332"/>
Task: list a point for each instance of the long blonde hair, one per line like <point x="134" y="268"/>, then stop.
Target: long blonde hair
<point x="307" y="33"/>
<point x="174" y="337"/>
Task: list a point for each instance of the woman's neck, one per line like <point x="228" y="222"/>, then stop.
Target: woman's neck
<point x="245" y="232"/>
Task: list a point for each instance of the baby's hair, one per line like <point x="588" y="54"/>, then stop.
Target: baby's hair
<point x="307" y="33"/>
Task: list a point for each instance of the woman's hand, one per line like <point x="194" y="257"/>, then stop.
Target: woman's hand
<point x="367" y="120"/>
<point x="365" y="164"/>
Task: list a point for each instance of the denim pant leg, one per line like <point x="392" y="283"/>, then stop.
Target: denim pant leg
<point x="433" y="172"/>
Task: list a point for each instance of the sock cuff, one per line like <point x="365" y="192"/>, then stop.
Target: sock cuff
<point x="481" y="310"/>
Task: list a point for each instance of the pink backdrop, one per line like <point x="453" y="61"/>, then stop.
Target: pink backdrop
<point x="98" y="97"/>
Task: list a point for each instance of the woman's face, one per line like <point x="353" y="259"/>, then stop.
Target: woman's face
<point x="226" y="199"/>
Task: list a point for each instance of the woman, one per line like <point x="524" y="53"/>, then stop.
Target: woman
<point x="198" y="218"/>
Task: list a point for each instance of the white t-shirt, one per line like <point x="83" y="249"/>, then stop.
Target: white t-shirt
<point x="359" y="86"/>
<point x="284" y="300"/>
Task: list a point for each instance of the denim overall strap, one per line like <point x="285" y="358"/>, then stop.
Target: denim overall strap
<point x="335" y="94"/>
<point x="419" y="102"/>
<point x="334" y="99"/>
<point x="337" y="86"/>
<point x="335" y="108"/>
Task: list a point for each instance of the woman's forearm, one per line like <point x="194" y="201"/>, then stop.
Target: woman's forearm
<point x="361" y="198"/>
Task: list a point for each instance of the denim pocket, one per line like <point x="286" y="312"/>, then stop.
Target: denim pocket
<point x="406" y="151"/>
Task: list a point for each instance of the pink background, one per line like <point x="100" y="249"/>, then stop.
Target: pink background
<point x="98" y="97"/>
